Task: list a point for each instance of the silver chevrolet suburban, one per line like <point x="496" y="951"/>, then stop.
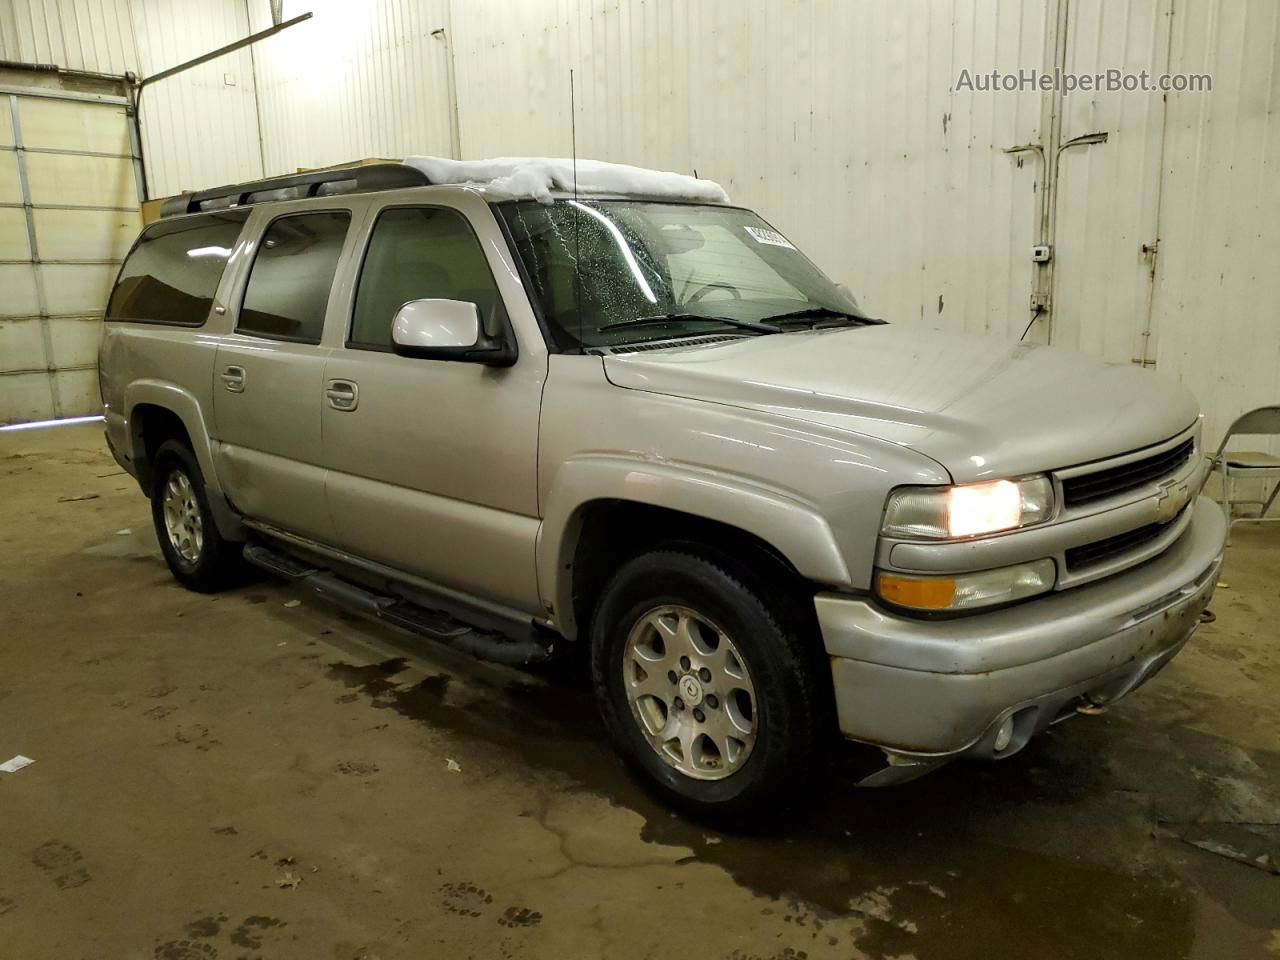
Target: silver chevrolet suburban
<point x="637" y="421"/>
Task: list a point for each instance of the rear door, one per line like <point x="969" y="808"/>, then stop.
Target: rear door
<point x="433" y="463"/>
<point x="269" y="373"/>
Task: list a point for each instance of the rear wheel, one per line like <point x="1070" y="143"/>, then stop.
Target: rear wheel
<point x="705" y="687"/>
<point x="196" y="553"/>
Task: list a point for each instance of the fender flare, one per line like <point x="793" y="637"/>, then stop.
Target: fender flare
<point x="792" y="527"/>
<point x="184" y="405"/>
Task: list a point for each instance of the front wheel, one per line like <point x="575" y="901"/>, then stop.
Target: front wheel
<point x="197" y="555"/>
<point x="705" y="688"/>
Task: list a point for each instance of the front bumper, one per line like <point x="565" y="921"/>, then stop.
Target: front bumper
<point x="930" y="690"/>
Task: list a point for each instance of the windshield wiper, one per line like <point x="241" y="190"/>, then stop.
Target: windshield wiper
<point x="812" y="313"/>
<point x="677" y="317"/>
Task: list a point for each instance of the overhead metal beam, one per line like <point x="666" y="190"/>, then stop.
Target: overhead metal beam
<point x="223" y="51"/>
<point x="145" y="82"/>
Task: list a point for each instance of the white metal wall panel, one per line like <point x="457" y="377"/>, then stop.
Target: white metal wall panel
<point x="97" y="235"/>
<point x="23" y="350"/>
<point x="62" y="178"/>
<point x="837" y="121"/>
<point x="18" y="281"/>
<point x="23" y="396"/>
<point x="63" y="125"/>
<point x="82" y="288"/>
<point x="1218" y="272"/>
<point x="10" y="185"/>
<point x="199" y="127"/>
<point x="78" y="389"/>
<point x="1108" y="193"/>
<point x="13" y="232"/>
<point x="79" y="202"/>
<point x="357" y="80"/>
<point x="92" y="35"/>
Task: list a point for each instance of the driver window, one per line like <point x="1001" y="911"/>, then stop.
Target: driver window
<point x="418" y="253"/>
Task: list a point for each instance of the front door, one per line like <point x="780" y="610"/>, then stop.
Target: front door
<point x="432" y="463"/>
<point x="269" y="376"/>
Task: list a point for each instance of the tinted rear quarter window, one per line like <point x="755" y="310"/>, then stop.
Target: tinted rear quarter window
<point x="173" y="270"/>
<point x="292" y="275"/>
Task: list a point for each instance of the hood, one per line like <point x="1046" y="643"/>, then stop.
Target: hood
<point x="982" y="407"/>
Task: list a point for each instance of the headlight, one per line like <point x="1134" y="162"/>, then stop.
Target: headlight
<point x="967" y="590"/>
<point x="968" y="510"/>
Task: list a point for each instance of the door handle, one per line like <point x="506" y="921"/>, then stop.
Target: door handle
<point x="342" y="394"/>
<point x="233" y="379"/>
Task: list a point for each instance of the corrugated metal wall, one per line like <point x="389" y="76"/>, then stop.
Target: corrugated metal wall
<point x="1108" y="193"/>
<point x="358" y="80"/>
<point x="91" y="35"/>
<point x="1216" y="311"/>
<point x="837" y="120"/>
<point x="200" y="128"/>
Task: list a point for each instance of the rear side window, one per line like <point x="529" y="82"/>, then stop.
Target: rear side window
<point x="292" y="275"/>
<point x="418" y="253"/>
<point x="173" y="270"/>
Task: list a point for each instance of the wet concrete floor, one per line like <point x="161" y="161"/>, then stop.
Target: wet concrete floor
<point x="250" y="776"/>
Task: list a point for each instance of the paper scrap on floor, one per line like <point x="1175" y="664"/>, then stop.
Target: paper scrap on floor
<point x="16" y="764"/>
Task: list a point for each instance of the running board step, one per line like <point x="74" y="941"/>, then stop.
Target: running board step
<point x="434" y="624"/>
<point x="277" y="563"/>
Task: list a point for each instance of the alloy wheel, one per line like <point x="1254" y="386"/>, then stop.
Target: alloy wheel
<point x="690" y="692"/>
<point x="183" y="521"/>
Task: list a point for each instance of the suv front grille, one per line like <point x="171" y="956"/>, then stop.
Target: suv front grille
<point x="1128" y="476"/>
<point x="1088" y="554"/>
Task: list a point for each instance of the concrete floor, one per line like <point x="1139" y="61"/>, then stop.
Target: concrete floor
<point x="259" y="774"/>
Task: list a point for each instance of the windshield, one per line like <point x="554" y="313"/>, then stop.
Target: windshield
<point x="608" y="272"/>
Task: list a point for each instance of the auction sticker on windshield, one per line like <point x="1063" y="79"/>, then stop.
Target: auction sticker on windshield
<point x="771" y="237"/>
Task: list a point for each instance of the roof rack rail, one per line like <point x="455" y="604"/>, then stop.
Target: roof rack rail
<point x="364" y="179"/>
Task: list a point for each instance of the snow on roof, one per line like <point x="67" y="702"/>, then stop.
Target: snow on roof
<point x="536" y="177"/>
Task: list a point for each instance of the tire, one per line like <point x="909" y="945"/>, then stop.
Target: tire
<point x="197" y="555"/>
<point x="775" y="760"/>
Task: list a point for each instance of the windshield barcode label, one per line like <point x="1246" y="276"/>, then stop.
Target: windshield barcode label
<point x="771" y="237"/>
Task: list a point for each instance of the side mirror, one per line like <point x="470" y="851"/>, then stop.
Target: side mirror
<point x="447" y="330"/>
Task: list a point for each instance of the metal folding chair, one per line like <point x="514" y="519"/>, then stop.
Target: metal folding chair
<point x="1248" y="465"/>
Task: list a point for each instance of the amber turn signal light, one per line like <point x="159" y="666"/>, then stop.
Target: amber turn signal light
<point x="930" y="594"/>
<point x="965" y="591"/>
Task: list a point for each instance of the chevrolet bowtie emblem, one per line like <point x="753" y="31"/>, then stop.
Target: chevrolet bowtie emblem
<point x="1171" y="500"/>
